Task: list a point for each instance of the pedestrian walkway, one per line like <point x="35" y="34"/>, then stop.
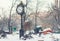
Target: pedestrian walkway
<point x="15" y="37"/>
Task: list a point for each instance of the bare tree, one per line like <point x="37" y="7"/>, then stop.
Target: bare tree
<point x="56" y="14"/>
<point x="9" y="20"/>
<point x="36" y="13"/>
<point x="3" y="20"/>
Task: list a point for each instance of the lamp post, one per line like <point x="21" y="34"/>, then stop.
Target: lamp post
<point x="20" y="11"/>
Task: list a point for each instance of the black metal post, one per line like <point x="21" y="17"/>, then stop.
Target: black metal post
<point x="22" y="14"/>
<point x="22" y="22"/>
<point x="21" y="32"/>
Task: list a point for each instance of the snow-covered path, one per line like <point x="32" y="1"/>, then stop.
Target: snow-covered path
<point x="15" y="37"/>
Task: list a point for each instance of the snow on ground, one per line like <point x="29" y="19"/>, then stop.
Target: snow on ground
<point x="15" y="37"/>
<point x="57" y="35"/>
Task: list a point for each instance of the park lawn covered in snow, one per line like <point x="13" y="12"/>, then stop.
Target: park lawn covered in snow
<point x="15" y="37"/>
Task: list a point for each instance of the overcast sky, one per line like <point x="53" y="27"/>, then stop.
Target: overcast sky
<point x="5" y="4"/>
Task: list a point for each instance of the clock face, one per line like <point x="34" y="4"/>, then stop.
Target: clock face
<point x="19" y="9"/>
